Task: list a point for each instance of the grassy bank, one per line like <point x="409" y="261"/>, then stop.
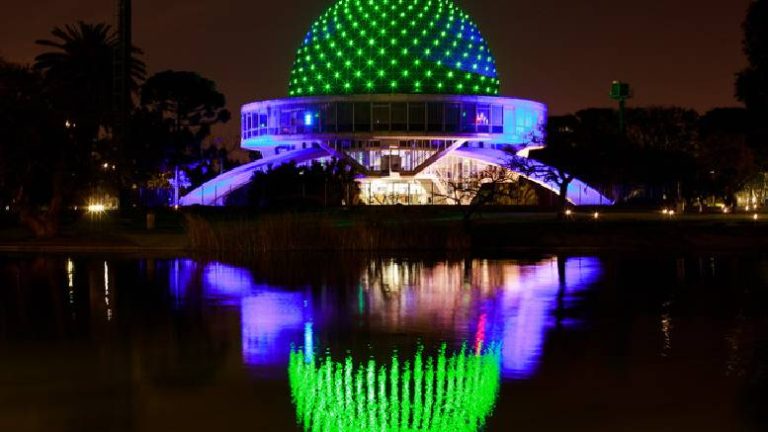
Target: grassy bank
<point x="102" y="233"/>
<point x="413" y="230"/>
<point x="245" y="235"/>
<point x="389" y="230"/>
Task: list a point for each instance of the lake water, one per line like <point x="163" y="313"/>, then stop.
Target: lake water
<point x="534" y="343"/>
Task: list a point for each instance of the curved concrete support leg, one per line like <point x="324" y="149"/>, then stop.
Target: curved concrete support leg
<point x="216" y="191"/>
<point x="579" y="193"/>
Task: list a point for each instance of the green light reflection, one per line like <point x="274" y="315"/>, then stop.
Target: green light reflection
<point x="445" y="392"/>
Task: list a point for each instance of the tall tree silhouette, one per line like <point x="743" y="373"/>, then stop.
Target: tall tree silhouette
<point x="53" y="116"/>
<point x="36" y="160"/>
<point x="752" y="82"/>
<point x="79" y="72"/>
<point x="189" y="105"/>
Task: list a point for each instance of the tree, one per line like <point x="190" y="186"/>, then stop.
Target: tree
<point x="190" y="105"/>
<point x="725" y="160"/>
<point x="752" y="82"/>
<point x="183" y="107"/>
<point x="53" y="116"/>
<point x="38" y="169"/>
<point x="490" y="186"/>
<point x="587" y="144"/>
<point x="662" y="128"/>
<point x="319" y="185"/>
<point x="79" y="72"/>
<point x="655" y="158"/>
<point x="551" y="174"/>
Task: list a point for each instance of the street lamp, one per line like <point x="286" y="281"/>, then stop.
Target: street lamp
<point x="620" y="91"/>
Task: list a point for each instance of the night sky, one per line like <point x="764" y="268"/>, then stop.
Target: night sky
<point x="561" y="52"/>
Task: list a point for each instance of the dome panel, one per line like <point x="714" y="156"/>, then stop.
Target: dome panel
<point x="394" y="46"/>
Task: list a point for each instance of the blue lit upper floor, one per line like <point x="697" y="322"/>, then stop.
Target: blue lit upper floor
<point x="489" y="119"/>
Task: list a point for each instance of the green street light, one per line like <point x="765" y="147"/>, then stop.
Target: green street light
<point x="620" y="91"/>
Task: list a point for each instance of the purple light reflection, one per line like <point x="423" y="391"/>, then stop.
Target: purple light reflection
<point x="227" y="284"/>
<point x="179" y="277"/>
<point x="506" y="303"/>
<point x="528" y="306"/>
<point x="271" y="319"/>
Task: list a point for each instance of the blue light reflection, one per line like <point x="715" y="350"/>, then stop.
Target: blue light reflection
<point x="529" y="306"/>
<point x="271" y="319"/>
<point x="509" y="304"/>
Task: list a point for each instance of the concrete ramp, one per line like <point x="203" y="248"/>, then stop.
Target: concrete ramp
<point x="216" y="191"/>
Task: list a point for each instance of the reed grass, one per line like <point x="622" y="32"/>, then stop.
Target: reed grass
<point x="254" y="236"/>
<point x="248" y="236"/>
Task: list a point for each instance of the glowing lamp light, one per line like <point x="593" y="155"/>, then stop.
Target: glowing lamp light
<point x="96" y="208"/>
<point x="309" y="119"/>
<point x="569" y="212"/>
<point x="596" y="215"/>
<point x="755" y="216"/>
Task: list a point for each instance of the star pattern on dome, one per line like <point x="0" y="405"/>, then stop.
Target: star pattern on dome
<point x="394" y="46"/>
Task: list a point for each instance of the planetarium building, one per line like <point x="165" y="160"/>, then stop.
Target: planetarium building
<point x="407" y="92"/>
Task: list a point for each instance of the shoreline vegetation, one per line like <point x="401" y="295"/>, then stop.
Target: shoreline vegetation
<point x="243" y="235"/>
<point x="413" y="230"/>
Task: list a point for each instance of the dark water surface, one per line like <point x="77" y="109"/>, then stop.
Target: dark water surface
<point x="525" y="344"/>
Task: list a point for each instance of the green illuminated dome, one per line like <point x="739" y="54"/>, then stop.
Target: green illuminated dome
<point x="394" y="46"/>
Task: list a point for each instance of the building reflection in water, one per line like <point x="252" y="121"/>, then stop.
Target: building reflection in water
<point x="268" y="320"/>
<point x="271" y="319"/>
<point x="510" y="304"/>
<point x="180" y="276"/>
<point x="531" y="305"/>
<point x="507" y="302"/>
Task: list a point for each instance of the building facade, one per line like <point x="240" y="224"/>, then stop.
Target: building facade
<point x="407" y="92"/>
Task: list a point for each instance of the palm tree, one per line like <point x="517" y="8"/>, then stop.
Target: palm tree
<point x="79" y="73"/>
<point x="74" y="98"/>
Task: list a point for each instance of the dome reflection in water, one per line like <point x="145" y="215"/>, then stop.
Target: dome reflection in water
<point x="418" y="346"/>
<point x="573" y="343"/>
<point x="453" y="392"/>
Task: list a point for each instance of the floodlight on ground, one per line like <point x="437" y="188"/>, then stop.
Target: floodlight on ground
<point x="96" y="208"/>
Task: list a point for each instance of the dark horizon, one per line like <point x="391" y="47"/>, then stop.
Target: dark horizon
<point x="683" y="54"/>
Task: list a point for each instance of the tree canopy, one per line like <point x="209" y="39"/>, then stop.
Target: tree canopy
<point x="78" y="71"/>
<point x="667" y="151"/>
<point x="752" y="82"/>
<point x="38" y="167"/>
